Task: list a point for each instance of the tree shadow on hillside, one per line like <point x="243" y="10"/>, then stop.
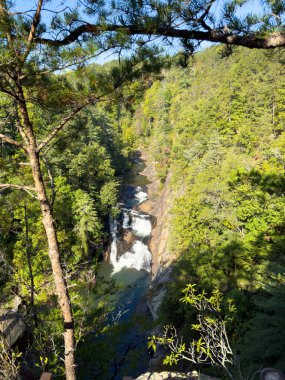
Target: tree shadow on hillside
<point x="243" y="269"/>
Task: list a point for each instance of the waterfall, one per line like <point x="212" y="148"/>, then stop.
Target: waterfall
<point x="114" y="231"/>
<point x="141" y="224"/>
<point x="128" y="268"/>
<point x="140" y="195"/>
<point x="138" y="256"/>
<point x="138" y="222"/>
<point x="126" y="218"/>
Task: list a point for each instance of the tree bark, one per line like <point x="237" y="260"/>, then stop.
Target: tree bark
<point x="30" y="146"/>
<point x="54" y="252"/>
<point x="251" y="41"/>
<point x="29" y="260"/>
<point x="54" y="255"/>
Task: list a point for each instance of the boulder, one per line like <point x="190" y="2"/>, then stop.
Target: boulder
<point x="163" y="376"/>
<point x="128" y="237"/>
<point x="12" y="327"/>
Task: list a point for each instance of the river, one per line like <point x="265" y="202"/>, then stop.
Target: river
<point x="129" y="264"/>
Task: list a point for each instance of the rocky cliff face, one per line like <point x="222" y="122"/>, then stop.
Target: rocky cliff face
<point x="158" y="205"/>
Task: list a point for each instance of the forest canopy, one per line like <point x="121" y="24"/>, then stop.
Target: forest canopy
<point x="216" y="133"/>
<point x="68" y="130"/>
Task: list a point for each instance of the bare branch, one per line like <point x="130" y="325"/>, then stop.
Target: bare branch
<point x="28" y="189"/>
<point x="24" y="164"/>
<point x="34" y="10"/>
<point x="20" y="187"/>
<point x="61" y="125"/>
<point x="32" y="33"/>
<point x="13" y="142"/>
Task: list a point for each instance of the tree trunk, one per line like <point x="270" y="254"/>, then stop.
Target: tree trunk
<point x="54" y="255"/>
<point x="31" y="275"/>
<point x="50" y="229"/>
<point x="25" y="128"/>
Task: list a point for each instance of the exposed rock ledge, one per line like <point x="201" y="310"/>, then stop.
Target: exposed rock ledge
<point x="163" y="376"/>
<point x="175" y="376"/>
<point x="158" y="205"/>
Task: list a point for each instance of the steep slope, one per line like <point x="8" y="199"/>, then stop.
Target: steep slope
<point x="159" y="206"/>
<point x="215" y="135"/>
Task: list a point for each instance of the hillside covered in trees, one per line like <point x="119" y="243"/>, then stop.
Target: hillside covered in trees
<point x="217" y="127"/>
<point x="72" y="130"/>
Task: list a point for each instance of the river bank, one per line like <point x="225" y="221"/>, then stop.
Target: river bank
<point x="140" y="235"/>
<point x="158" y="205"/>
<point x="138" y="262"/>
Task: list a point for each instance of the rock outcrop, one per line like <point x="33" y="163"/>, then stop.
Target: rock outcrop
<point x="194" y="375"/>
<point x="12" y="326"/>
<point x="163" y="376"/>
<point x="158" y="205"/>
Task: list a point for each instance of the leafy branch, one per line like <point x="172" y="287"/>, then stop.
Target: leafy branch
<point x="213" y="345"/>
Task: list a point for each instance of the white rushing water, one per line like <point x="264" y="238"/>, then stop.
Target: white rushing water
<point x="126" y="219"/>
<point x="140" y="195"/>
<point x="141" y="224"/>
<point x="139" y="256"/>
<point x="138" y="222"/>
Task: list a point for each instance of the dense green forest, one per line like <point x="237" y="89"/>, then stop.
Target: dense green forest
<point x="81" y="171"/>
<point x="213" y="122"/>
<point x="217" y="127"/>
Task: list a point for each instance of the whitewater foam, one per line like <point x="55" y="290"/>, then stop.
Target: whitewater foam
<point x="141" y="225"/>
<point x="138" y="258"/>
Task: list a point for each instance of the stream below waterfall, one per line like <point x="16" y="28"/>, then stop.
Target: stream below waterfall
<point x="130" y="258"/>
<point x="129" y="265"/>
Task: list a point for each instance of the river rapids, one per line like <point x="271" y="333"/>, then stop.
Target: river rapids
<point x="139" y="224"/>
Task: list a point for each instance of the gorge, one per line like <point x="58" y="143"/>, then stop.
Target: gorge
<point x="207" y="209"/>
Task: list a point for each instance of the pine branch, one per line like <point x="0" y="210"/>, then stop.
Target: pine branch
<point x="36" y="20"/>
<point x="61" y="125"/>
<point x="250" y="40"/>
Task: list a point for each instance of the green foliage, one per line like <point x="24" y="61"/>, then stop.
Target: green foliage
<point x="264" y="341"/>
<point x="211" y="345"/>
<point x="87" y="225"/>
<point x="9" y="361"/>
<point x="217" y="128"/>
<point x="80" y="170"/>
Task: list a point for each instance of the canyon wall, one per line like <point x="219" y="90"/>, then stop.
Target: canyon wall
<point x="158" y="205"/>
